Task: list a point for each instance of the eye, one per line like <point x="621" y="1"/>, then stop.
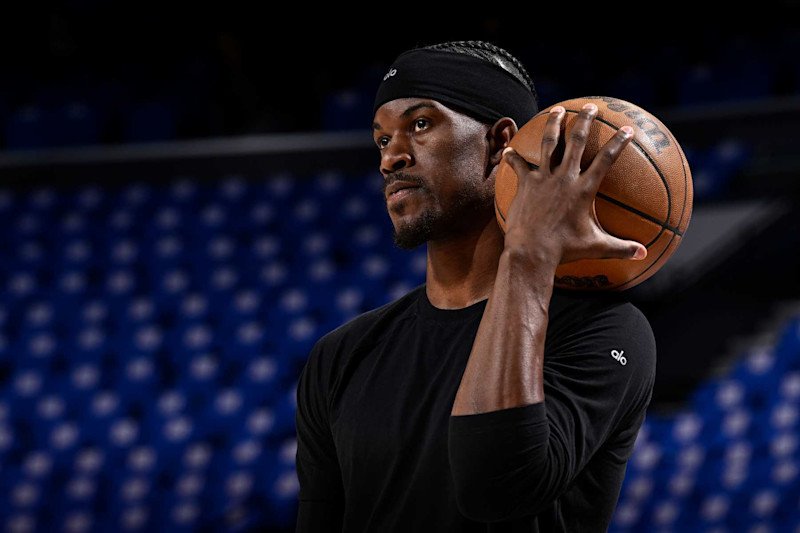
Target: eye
<point x="421" y="124"/>
<point x="382" y="141"/>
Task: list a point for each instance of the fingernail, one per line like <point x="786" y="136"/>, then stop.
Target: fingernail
<point x="627" y="130"/>
<point x="590" y="107"/>
<point x="557" y="110"/>
<point x="641" y="253"/>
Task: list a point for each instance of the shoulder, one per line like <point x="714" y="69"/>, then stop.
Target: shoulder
<point x="601" y="346"/>
<point x="574" y="306"/>
<point x="608" y="326"/>
<point x="588" y="312"/>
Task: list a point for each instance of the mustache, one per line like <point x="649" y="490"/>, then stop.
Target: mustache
<point x="406" y="177"/>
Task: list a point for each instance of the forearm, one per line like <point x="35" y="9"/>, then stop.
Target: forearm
<point x="505" y="366"/>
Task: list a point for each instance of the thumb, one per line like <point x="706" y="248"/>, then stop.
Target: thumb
<point x="616" y="248"/>
<point x="517" y="162"/>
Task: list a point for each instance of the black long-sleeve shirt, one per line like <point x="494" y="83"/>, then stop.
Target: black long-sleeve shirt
<point x="379" y="451"/>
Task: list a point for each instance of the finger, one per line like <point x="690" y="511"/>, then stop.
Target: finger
<point x="518" y="164"/>
<point x="576" y="141"/>
<point x="551" y="134"/>
<point x="607" y="156"/>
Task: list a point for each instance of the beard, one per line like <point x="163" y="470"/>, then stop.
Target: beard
<point x="435" y="223"/>
<point x="412" y="234"/>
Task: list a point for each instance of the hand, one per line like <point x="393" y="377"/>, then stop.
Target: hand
<point x="552" y="217"/>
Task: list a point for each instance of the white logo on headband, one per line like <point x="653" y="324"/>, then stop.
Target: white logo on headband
<point x="389" y="74"/>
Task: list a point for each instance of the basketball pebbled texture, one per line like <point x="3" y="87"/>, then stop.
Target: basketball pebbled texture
<point x="646" y="196"/>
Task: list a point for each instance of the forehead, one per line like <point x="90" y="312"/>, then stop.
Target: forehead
<point x="405" y="107"/>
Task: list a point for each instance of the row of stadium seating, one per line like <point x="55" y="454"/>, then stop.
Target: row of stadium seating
<point x="90" y="110"/>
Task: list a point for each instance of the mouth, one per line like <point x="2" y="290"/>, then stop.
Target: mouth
<point x="398" y="190"/>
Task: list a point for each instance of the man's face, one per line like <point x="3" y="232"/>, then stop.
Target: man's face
<point x="434" y="163"/>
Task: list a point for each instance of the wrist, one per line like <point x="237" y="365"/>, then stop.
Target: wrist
<point x="539" y="256"/>
<point x="529" y="272"/>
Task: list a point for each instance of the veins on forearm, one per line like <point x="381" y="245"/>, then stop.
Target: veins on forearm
<point x="505" y="366"/>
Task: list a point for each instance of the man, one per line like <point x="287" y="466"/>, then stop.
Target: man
<point x="485" y="399"/>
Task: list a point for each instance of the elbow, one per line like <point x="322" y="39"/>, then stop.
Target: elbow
<point x="498" y="502"/>
<point x="479" y="504"/>
<point x="497" y="487"/>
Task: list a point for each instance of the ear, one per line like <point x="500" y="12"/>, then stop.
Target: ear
<point x="499" y="136"/>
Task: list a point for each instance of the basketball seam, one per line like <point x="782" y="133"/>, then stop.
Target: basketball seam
<point x="684" y="164"/>
<point x="634" y="212"/>
<point x="497" y="210"/>
<point x="642" y="214"/>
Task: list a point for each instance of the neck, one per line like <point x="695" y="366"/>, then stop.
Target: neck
<point x="461" y="271"/>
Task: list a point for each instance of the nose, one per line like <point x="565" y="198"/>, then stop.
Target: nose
<point x="396" y="155"/>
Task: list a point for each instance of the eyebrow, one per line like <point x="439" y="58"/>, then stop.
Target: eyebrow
<point x="411" y="109"/>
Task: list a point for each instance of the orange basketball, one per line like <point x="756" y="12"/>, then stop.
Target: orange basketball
<point x="646" y="195"/>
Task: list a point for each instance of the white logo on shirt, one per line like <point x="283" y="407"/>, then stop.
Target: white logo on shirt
<point x="619" y="357"/>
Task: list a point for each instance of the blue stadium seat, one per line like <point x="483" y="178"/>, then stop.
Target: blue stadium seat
<point x="263" y="378"/>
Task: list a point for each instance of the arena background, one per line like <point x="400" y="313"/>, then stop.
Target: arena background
<point x="191" y="199"/>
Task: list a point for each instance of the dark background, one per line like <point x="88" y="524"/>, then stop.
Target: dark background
<point x="231" y="69"/>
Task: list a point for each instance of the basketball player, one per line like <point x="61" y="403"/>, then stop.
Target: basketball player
<point x="485" y="399"/>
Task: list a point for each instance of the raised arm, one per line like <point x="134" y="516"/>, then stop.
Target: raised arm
<point x="550" y="221"/>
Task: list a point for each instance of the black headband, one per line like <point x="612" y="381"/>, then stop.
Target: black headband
<point x="469" y="84"/>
